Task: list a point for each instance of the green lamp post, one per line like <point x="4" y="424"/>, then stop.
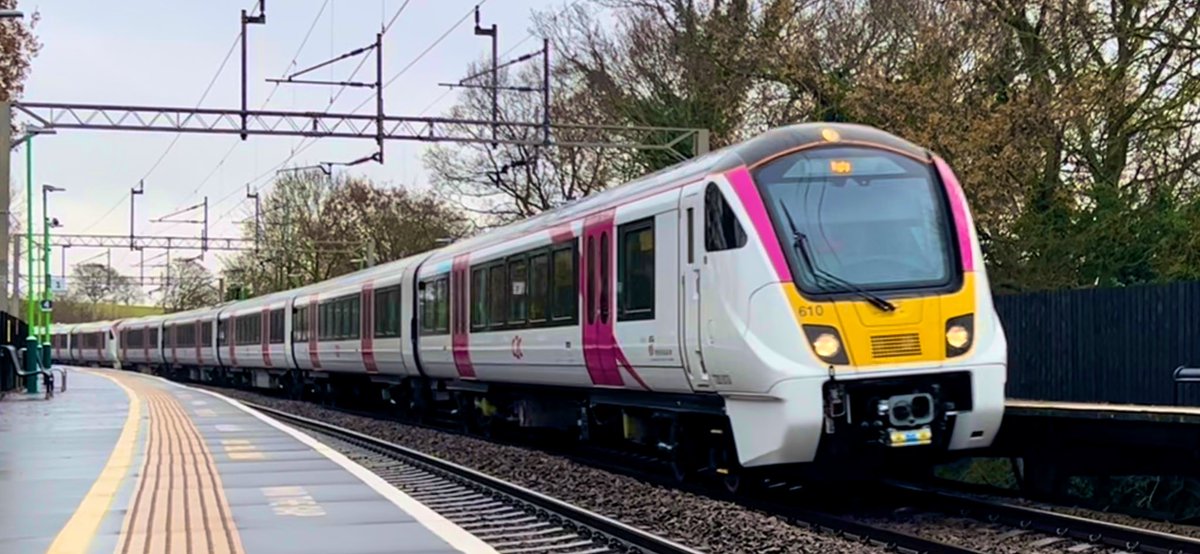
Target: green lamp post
<point x="48" y="291"/>
<point x="31" y="342"/>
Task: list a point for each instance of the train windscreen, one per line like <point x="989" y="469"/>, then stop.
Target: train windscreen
<point x="859" y="218"/>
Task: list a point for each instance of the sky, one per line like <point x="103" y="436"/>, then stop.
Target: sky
<point x="155" y="53"/>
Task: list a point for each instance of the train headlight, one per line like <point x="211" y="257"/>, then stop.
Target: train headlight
<point x="957" y="336"/>
<point x="826" y="344"/>
<point x="960" y="333"/>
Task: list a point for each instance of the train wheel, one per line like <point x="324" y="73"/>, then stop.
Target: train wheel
<point x="732" y="482"/>
<point x="729" y="472"/>
<point x="684" y="465"/>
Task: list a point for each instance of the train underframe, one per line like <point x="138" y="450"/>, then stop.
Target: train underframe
<point x="690" y="434"/>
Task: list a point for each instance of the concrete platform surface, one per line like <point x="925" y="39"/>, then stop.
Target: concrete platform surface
<point x="124" y="462"/>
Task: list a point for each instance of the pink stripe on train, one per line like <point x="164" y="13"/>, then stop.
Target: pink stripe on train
<point x="958" y="206"/>
<point x="752" y="201"/>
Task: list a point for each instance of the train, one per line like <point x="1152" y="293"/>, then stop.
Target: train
<point x="811" y="297"/>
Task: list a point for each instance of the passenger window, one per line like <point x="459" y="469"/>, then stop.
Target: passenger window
<point x="443" y="305"/>
<point x="722" y="230"/>
<point x="379" y="303"/>
<point x="394" y="309"/>
<point x="355" y="304"/>
<point x="566" y="285"/>
<point x="426" y="296"/>
<point x="279" y="326"/>
<point x="345" y="316"/>
<point x="335" y="326"/>
<point x="539" y="286"/>
<point x="635" y="285"/>
<point x="517" y="285"/>
<point x="479" y="307"/>
<point x="496" y="295"/>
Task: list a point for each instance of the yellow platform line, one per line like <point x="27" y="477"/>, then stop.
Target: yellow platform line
<point x="77" y="534"/>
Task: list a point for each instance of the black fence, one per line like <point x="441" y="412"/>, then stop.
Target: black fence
<point x="1116" y="345"/>
<point x="12" y="333"/>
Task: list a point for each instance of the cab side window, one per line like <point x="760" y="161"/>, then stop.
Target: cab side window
<point x="722" y="230"/>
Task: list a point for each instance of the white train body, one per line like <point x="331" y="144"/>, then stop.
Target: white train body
<point x="702" y="291"/>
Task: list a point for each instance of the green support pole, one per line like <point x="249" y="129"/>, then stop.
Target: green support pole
<point x="48" y="317"/>
<point x="31" y="342"/>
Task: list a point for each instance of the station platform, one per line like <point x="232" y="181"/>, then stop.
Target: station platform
<point x="1102" y="411"/>
<point x="1078" y="438"/>
<point x="126" y="463"/>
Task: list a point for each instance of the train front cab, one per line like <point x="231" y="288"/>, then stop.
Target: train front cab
<point x="869" y="333"/>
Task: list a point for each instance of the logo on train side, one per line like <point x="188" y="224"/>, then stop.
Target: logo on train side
<point x="516" y="348"/>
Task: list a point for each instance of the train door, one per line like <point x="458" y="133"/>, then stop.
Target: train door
<point x="596" y="272"/>
<point x="691" y="274"/>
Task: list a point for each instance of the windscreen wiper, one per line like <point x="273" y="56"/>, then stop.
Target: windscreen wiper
<point x="800" y="243"/>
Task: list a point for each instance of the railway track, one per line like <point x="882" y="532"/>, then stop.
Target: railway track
<point x="1091" y="531"/>
<point x="508" y="517"/>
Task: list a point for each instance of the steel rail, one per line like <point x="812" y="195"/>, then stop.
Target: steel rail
<point x="1126" y="537"/>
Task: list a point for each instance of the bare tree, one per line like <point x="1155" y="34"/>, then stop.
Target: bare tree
<point x="315" y="227"/>
<point x="510" y="182"/>
<point x="191" y="286"/>
<point x="97" y="283"/>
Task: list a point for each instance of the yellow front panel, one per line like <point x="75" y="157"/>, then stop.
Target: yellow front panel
<point x="914" y="332"/>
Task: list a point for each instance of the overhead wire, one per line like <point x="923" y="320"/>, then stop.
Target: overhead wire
<point x="177" y="136"/>
<point x="392" y="79"/>
<point x="270" y="96"/>
<point x="504" y="54"/>
<point x="306" y="142"/>
<point x="425" y="52"/>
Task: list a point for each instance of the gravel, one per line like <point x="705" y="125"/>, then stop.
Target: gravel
<point x="971" y="533"/>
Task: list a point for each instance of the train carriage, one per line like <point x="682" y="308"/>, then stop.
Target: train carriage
<point x="60" y="343"/>
<point x="548" y="304"/>
<point x="188" y="338"/>
<point x="93" y="344"/>
<point x="252" y="335"/>
<point x="815" y="293"/>
<point x="356" y="323"/>
<point x="139" y="341"/>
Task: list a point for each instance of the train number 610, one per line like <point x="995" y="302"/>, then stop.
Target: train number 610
<point x="812" y="311"/>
